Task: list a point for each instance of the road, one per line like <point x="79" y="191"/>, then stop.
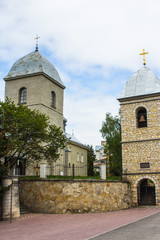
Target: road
<point x="147" y="228"/>
<point x="127" y="224"/>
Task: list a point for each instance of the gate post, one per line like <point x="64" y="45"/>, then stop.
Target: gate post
<point x="43" y="170"/>
<point x="103" y="171"/>
<point x="10" y="200"/>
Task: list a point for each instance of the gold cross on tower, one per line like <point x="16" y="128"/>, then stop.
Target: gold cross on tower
<point x="36" y="38"/>
<point x="144" y="53"/>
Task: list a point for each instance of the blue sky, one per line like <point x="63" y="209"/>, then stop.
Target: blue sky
<point x="94" y="44"/>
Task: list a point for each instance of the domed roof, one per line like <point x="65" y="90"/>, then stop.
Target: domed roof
<point x="34" y="63"/>
<point x="74" y="139"/>
<point x="143" y="82"/>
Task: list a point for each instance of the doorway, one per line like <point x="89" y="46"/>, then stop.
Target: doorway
<point x="146" y="192"/>
<point x="20" y="168"/>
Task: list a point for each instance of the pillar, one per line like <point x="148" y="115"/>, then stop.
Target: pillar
<point x="10" y="202"/>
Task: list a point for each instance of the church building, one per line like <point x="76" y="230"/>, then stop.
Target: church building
<point x="34" y="82"/>
<point x="140" y="123"/>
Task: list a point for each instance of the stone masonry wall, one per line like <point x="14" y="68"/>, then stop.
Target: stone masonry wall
<point x="140" y="144"/>
<point x="130" y="132"/>
<point x="76" y="196"/>
<point x="138" y="152"/>
<point x="38" y="96"/>
<point x="135" y="179"/>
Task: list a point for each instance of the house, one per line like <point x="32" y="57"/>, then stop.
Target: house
<point x="100" y="156"/>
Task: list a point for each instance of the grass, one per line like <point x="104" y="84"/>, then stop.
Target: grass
<point x="28" y="177"/>
<point x="111" y="178"/>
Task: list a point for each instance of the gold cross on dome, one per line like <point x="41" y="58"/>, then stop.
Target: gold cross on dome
<point x="144" y="53"/>
<point x="36" y="38"/>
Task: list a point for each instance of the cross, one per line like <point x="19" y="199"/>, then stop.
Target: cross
<point x="37" y="169"/>
<point x="143" y="53"/>
<point x="36" y="38"/>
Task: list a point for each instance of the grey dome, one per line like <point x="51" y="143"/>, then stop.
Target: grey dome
<point x="143" y="82"/>
<point x="34" y="63"/>
<point x="73" y="139"/>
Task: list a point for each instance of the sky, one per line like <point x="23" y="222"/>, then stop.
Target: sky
<point x="94" y="45"/>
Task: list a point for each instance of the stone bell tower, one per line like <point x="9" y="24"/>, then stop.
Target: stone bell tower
<point x="140" y="121"/>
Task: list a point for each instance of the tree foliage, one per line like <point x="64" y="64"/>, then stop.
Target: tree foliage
<point x="26" y="135"/>
<point x="111" y="132"/>
<point x="90" y="159"/>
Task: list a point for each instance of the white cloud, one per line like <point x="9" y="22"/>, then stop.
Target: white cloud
<point x="85" y="110"/>
<point x="84" y="31"/>
<point x="94" y="43"/>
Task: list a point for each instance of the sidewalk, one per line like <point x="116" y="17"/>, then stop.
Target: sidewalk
<point x="69" y="227"/>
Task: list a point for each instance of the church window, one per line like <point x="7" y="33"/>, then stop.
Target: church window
<point x="53" y="99"/>
<point x="141" y="117"/>
<point x="81" y="158"/>
<point x="77" y="157"/>
<point x="23" y="95"/>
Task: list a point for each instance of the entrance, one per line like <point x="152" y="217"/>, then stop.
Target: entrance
<point x="146" y="192"/>
<point x="20" y="168"/>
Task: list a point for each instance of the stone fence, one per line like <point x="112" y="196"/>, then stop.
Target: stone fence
<point x="74" y="196"/>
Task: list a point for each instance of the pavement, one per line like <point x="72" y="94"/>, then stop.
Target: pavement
<point x="134" y="223"/>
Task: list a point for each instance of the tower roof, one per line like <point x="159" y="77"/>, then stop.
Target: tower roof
<point x="142" y="82"/>
<point x="34" y="63"/>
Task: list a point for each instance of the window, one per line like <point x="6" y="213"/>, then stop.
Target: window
<point x="141" y="117"/>
<point x="53" y="99"/>
<point x="23" y="95"/>
<point x="77" y="157"/>
<point x="81" y="158"/>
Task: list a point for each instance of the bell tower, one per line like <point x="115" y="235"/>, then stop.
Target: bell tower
<point x="140" y="124"/>
<point x="34" y="82"/>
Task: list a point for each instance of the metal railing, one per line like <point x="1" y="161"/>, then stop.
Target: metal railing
<point x="67" y="171"/>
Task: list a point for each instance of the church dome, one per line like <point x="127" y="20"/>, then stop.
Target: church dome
<point x="34" y="63"/>
<point x="143" y="82"/>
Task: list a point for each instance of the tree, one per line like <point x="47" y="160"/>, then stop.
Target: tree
<point x="111" y="132"/>
<point x="90" y="159"/>
<point x="26" y="135"/>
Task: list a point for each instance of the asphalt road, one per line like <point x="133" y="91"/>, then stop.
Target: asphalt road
<point x="145" y="229"/>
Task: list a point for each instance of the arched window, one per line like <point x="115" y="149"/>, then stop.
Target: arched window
<point x="82" y="159"/>
<point x="23" y="95"/>
<point x="53" y="99"/>
<point x="141" y="117"/>
<point x="77" y="157"/>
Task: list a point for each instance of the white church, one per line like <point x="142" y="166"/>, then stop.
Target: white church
<point x="34" y="82"/>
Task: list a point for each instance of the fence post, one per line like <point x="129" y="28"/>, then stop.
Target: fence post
<point x="42" y="170"/>
<point x="10" y="198"/>
<point x="103" y="171"/>
<point x="73" y="170"/>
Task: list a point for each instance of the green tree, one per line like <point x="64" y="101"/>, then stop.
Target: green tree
<point x="26" y="135"/>
<point x="90" y="159"/>
<point x="111" y="132"/>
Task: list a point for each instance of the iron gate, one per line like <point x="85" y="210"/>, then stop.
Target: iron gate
<point x="146" y="194"/>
